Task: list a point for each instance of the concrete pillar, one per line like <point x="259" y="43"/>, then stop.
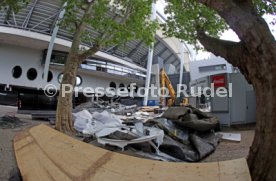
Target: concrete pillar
<point x="181" y="62"/>
<point x="51" y="45"/>
<point x="150" y="58"/>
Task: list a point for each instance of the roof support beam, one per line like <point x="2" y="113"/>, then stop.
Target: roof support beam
<point x="27" y="19"/>
<point x="111" y="48"/>
<point x="162" y="51"/>
<point x="114" y="49"/>
<point x="150" y="58"/>
<point x="171" y="59"/>
<point x="181" y="62"/>
<point x="175" y="60"/>
<point x="177" y="64"/>
<point x="51" y="45"/>
<point x="166" y="59"/>
<point x="41" y="22"/>
<point x="135" y="49"/>
<point x="14" y="19"/>
<point x="155" y="45"/>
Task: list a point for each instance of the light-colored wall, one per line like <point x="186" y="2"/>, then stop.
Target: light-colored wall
<point x="27" y="58"/>
<point x="239" y="100"/>
<point x="170" y="69"/>
<point x="194" y="67"/>
<point x="238" y="109"/>
<point x="35" y="40"/>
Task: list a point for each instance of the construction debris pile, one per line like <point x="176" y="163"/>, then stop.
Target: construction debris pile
<point x="10" y="122"/>
<point x="178" y="134"/>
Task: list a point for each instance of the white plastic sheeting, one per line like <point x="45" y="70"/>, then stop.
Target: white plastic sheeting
<point x="98" y="124"/>
<point x="154" y="134"/>
<point x="104" y="124"/>
<point x="82" y="120"/>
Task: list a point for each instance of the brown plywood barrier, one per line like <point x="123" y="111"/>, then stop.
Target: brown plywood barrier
<point x="43" y="153"/>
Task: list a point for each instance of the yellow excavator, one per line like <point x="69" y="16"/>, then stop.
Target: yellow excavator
<point x="173" y="100"/>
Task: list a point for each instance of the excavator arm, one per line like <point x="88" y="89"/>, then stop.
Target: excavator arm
<point x="165" y="82"/>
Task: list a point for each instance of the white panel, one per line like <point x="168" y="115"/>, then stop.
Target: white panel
<point x="238" y="101"/>
<point x="220" y="104"/>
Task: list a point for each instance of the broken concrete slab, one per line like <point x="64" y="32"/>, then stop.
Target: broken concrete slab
<point x="235" y="137"/>
<point x="190" y="117"/>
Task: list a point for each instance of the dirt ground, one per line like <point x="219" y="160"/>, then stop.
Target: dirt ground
<point x="8" y="168"/>
<point x="227" y="150"/>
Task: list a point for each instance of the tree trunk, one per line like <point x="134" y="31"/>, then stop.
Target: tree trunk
<point x="255" y="56"/>
<point x="64" y="121"/>
<point x="262" y="74"/>
<point x="262" y="156"/>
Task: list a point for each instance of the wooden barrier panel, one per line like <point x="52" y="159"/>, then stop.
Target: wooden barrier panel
<point x="43" y="153"/>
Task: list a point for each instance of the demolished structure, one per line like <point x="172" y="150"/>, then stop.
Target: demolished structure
<point x="179" y="134"/>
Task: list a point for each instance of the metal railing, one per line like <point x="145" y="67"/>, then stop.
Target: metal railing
<point x="110" y="68"/>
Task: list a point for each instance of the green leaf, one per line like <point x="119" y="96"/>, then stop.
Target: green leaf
<point x="13" y="5"/>
<point x="186" y="16"/>
<point x="113" y="22"/>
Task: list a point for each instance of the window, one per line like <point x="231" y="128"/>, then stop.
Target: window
<point x="212" y="68"/>
<point x="32" y="74"/>
<point x="50" y="76"/>
<point x="78" y="79"/>
<point x="113" y="85"/>
<point x="128" y="88"/>
<point x="57" y="57"/>
<point x="102" y="69"/>
<point x="60" y="76"/>
<point x="17" y="72"/>
<point x="122" y="87"/>
<point x="135" y="88"/>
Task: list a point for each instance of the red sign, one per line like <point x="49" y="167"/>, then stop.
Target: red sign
<point x="219" y="80"/>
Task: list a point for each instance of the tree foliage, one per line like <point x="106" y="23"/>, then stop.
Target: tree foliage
<point x="265" y="7"/>
<point x="99" y="24"/>
<point x="187" y="17"/>
<point x="255" y="55"/>
<point x="14" y="5"/>
<point x="113" y="22"/>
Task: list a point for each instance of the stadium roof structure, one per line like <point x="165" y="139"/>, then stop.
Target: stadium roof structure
<point x="40" y="16"/>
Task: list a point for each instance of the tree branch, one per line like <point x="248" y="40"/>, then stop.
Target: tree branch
<point x="233" y="52"/>
<point x="251" y="29"/>
<point x="226" y="49"/>
<point x="217" y="5"/>
<point x="91" y="51"/>
<point x="79" y="29"/>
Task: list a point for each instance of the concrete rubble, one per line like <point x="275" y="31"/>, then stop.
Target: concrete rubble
<point x="10" y="122"/>
<point x="178" y="134"/>
<point x="235" y="137"/>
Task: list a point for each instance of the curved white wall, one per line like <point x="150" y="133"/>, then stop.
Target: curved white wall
<point x="28" y="58"/>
